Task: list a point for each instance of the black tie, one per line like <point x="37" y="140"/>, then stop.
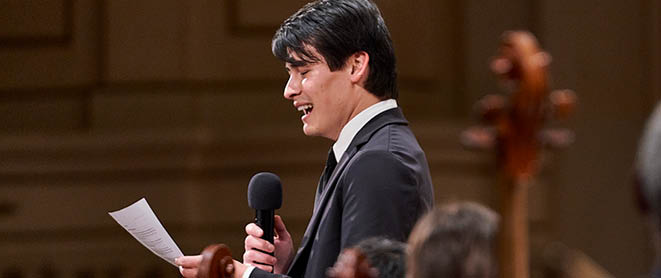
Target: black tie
<point x="328" y="171"/>
<point x="331" y="162"/>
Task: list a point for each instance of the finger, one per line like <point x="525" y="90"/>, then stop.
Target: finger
<point x="252" y="242"/>
<point x="266" y="268"/>
<point x="239" y="268"/>
<point x="189" y="261"/>
<point x="189" y="272"/>
<point x="255" y="258"/>
<point x="279" y="226"/>
<point x="254" y="230"/>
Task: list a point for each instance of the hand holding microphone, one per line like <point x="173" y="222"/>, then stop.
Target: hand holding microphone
<point x="263" y="249"/>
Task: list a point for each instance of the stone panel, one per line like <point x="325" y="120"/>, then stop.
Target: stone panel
<point x="485" y="22"/>
<point x="33" y="20"/>
<point x="42" y="115"/>
<point x="134" y="109"/>
<point x="40" y="64"/>
<point x="596" y="47"/>
<point x="251" y="13"/>
<point x="146" y="40"/>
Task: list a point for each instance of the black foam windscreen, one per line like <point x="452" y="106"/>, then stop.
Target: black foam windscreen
<point x="265" y="192"/>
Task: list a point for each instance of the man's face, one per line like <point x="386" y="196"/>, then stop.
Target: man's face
<point x="324" y="97"/>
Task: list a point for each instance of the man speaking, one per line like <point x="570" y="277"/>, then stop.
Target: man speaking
<point x="342" y="79"/>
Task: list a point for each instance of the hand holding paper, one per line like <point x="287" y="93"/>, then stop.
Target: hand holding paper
<point x="140" y="221"/>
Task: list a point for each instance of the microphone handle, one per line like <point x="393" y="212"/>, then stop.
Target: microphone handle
<point x="264" y="219"/>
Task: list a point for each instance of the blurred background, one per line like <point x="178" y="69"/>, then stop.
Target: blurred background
<point x="105" y="102"/>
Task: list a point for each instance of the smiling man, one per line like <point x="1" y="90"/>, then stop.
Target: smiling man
<point x="342" y="78"/>
<point x="329" y="99"/>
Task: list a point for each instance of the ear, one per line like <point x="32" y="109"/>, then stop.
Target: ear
<point x="358" y="63"/>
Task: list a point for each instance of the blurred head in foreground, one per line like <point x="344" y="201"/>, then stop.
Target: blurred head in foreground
<point x="455" y="241"/>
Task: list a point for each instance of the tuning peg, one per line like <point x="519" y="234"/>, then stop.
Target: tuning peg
<point x="501" y="66"/>
<point x="478" y="138"/>
<point x="556" y="138"/>
<point x="563" y="102"/>
<point x="542" y="59"/>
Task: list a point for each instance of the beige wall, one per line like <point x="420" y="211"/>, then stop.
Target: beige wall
<point x="601" y="51"/>
<point x="105" y="102"/>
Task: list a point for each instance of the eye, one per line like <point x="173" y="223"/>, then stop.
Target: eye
<point x="304" y="72"/>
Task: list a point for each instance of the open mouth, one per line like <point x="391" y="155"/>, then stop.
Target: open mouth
<point x="307" y="109"/>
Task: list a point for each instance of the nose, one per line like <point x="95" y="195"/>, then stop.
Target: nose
<point x="293" y="88"/>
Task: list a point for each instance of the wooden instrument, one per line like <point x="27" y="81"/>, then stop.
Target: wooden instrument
<point x="216" y="262"/>
<point x="515" y="129"/>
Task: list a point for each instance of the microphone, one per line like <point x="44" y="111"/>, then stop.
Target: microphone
<point x="265" y="196"/>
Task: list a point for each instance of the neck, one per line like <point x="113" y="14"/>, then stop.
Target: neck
<point x="364" y="100"/>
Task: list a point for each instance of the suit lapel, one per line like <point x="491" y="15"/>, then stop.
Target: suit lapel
<point x="392" y="116"/>
<point x="319" y="208"/>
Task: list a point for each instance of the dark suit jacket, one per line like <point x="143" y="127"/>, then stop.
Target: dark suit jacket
<point x="380" y="187"/>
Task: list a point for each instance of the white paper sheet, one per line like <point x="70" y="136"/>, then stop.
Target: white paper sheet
<point x="140" y="221"/>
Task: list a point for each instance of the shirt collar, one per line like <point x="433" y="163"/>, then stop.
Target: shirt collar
<point x="354" y="125"/>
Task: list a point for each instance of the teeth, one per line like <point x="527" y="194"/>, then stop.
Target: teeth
<point x="305" y="108"/>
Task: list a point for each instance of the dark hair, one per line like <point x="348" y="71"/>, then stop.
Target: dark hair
<point x="387" y="256"/>
<point x="338" y="29"/>
<point x="454" y="241"/>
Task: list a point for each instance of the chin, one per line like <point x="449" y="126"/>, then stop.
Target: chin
<point x="309" y="131"/>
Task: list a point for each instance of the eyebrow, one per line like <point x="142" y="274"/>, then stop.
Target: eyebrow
<point x="295" y="65"/>
<point x="298" y="63"/>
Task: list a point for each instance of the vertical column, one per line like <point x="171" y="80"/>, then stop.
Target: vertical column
<point x="596" y="47"/>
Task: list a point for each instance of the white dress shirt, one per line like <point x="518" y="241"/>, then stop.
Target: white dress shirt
<point x="354" y="125"/>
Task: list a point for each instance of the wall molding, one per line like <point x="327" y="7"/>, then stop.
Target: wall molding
<point x="237" y="28"/>
<point x="64" y="38"/>
<point x="421" y="85"/>
<point x="193" y="154"/>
